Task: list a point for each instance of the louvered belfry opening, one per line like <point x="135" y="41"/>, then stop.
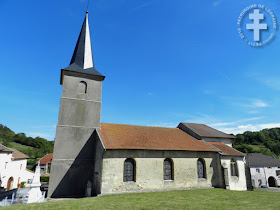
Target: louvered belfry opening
<point x="129" y="170"/>
<point x="168" y="169"/>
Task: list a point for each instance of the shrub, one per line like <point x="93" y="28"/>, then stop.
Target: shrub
<point x="44" y="178"/>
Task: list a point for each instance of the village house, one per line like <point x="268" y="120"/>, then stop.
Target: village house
<point x="13" y="168"/>
<point x="45" y="164"/>
<point x="264" y="169"/>
<point x="104" y="158"/>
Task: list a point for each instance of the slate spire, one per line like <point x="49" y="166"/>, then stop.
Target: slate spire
<point x="82" y="59"/>
<point x="82" y="55"/>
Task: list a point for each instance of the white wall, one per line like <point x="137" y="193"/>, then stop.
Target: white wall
<point x="227" y="142"/>
<point x="235" y="182"/>
<point x="15" y="169"/>
<point x="263" y="175"/>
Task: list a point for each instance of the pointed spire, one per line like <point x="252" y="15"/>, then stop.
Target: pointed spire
<point x="82" y="55"/>
<point x="82" y="60"/>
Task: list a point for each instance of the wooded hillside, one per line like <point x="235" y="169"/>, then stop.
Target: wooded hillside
<point x="35" y="148"/>
<point x="266" y="141"/>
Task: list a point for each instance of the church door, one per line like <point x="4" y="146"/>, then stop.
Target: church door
<point x="10" y="183"/>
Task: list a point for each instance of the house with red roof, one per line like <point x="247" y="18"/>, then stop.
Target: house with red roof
<point x="45" y="164"/>
<point x="13" y="168"/>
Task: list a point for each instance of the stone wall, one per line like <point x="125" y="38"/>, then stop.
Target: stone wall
<point x="79" y="117"/>
<point x="149" y="170"/>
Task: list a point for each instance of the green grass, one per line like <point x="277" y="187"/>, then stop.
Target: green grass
<point x="257" y="147"/>
<point x="189" y="199"/>
<point x="20" y="147"/>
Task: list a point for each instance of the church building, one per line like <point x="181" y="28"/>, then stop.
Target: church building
<point x="104" y="158"/>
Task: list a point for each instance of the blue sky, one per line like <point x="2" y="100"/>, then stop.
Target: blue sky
<point x="165" y="62"/>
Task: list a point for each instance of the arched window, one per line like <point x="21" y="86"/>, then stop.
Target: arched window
<point x="168" y="169"/>
<point x="129" y="170"/>
<point x="233" y="168"/>
<point x="82" y="88"/>
<point x="201" y="173"/>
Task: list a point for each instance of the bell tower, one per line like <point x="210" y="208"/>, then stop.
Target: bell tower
<point x="79" y="117"/>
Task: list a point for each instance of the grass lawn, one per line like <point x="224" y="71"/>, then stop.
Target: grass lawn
<point x="20" y="147"/>
<point x="189" y="199"/>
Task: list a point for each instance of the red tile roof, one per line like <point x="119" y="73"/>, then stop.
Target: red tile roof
<point x="18" y="155"/>
<point x="46" y="159"/>
<point x="117" y="136"/>
<point x="226" y="150"/>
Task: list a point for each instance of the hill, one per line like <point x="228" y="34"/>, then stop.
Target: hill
<point x="266" y="141"/>
<point x="35" y="148"/>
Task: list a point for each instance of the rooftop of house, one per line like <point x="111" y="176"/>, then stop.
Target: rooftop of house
<point x="46" y="159"/>
<point x="261" y="160"/>
<point x="201" y="131"/>
<point x="5" y="149"/>
<point x="118" y="136"/>
<point x="226" y="150"/>
<point x="17" y="155"/>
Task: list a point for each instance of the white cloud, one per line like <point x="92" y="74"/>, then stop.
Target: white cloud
<point x="248" y="127"/>
<point x="271" y="82"/>
<point x="45" y="126"/>
<point x="251" y="103"/>
<point x="42" y="135"/>
<point x="146" y="4"/>
<point x="259" y="103"/>
<point x="221" y="124"/>
<point x="217" y="3"/>
<point x="164" y="124"/>
<point x="253" y="112"/>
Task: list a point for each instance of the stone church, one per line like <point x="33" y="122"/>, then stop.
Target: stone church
<point x="104" y="158"/>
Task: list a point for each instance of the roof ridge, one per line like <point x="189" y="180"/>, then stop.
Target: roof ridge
<point x="200" y="130"/>
<point x="149" y="126"/>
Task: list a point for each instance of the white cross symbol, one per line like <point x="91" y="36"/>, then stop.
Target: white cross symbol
<point x="256" y="26"/>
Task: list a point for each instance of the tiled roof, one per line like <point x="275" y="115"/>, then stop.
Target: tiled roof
<point x="203" y="131"/>
<point x="226" y="150"/>
<point x="117" y="136"/>
<point x="46" y="159"/>
<point x="5" y="149"/>
<point x="261" y="160"/>
<point x="18" y="155"/>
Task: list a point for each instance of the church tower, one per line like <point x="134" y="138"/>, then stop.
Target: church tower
<point x="79" y="117"/>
